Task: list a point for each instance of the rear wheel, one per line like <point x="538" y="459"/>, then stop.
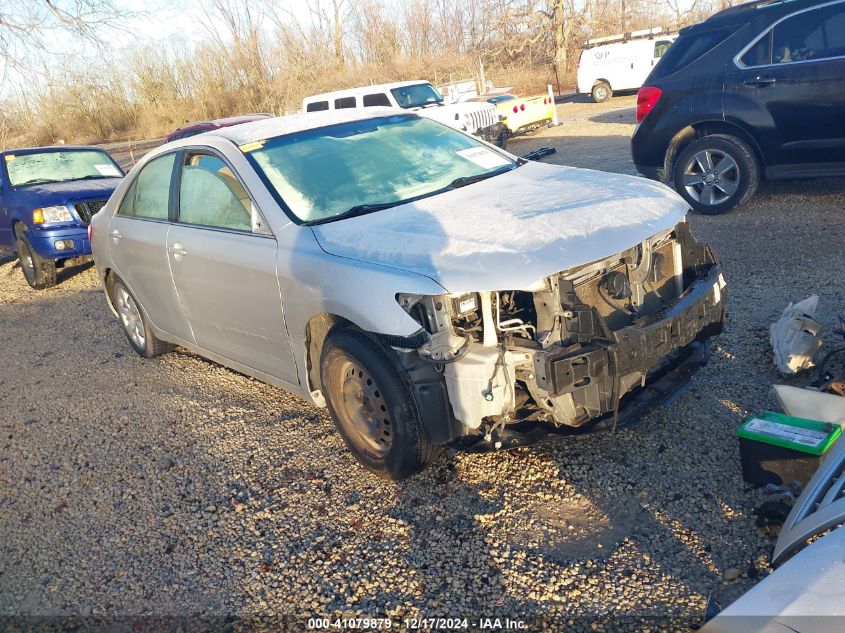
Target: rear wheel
<point x="135" y="323"/>
<point x="39" y="273"/>
<point x="716" y="173"/>
<point x="602" y="92"/>
<point x="372" y="407"/>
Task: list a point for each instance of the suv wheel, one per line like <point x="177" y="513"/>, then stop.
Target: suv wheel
<point x="135" y="324"/>
<point x="372" y="406"/>
<point x="602" y="92"/>
<point x="716" y="173"/>
<point x="39" y="273"/>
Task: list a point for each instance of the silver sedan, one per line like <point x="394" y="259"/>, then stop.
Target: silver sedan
<point x="429" y="288"/>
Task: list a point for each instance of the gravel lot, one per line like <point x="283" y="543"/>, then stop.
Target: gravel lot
<point x="175" y="487"/>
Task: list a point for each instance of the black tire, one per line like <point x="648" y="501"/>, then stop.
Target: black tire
<point x="136" y="326"/>
<point x="372" y="407"/>
<point x="720" y="183"/>
<point x="602" y="92"/>
<point x="39" y="273"/>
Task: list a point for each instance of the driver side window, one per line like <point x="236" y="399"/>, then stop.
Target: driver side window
<point x="211" y="195"/>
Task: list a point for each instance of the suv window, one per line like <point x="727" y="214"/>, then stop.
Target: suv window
<point x="760" y="54"/>
<point x="815" y="34"/>
<point x="344" y="102"/>
<point x="210" y="195"/>
<point x="377" y="99"/>
<point x="149" y="195"/>
<point x="317" y="106"/>
<point x="689" y="47"/>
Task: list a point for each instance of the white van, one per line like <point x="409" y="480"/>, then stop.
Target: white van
<point x="421" y="98"/>
<point x="619" y="62"/>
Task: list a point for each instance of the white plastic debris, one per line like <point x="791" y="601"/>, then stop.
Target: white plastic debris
<point x="795" y="336"/>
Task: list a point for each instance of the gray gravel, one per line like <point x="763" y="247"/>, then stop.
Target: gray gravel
<point x="175" y="486"/>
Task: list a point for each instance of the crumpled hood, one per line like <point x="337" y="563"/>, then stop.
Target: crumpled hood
<point x="512" y="230"/>
<point x="62" y="192"/>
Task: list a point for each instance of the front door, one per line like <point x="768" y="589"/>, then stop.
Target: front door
<point x="224" y="270"/>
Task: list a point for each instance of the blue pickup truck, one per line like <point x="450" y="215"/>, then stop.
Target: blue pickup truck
<point x="47" y="198"/>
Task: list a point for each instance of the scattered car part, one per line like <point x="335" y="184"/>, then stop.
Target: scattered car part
<point x="796" y="337"/>
<point x="806" y="594"/>
<point x="820" y="507"/>
<point x="539" y="153"/>
<point x="806" y="403"/>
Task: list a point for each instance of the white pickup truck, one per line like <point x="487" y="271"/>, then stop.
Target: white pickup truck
<point x="420" y="97"/>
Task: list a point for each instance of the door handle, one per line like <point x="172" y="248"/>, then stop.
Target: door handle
<point x="762" y="82"/>
<point x="178" y="251"/>
<point x="116" y="235"/>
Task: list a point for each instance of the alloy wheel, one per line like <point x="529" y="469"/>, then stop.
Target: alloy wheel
<point x="131" y="318"/>
<point x="711" y="177"/>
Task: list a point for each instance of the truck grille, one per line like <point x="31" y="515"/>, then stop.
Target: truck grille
<point x="483" y="118"/>
<point x="86" y="210"/>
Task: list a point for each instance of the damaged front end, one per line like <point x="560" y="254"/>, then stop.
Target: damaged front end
<point x="582" y="345"/>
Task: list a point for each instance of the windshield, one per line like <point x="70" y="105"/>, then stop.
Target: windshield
<point x="324" y="173"/>
<point x="416" y="95"/>
<point x="47" y="167"/>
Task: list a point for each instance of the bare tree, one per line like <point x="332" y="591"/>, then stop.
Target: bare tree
<point x="30" y="29"/>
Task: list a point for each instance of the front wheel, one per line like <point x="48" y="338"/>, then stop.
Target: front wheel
<point x="39" y="273"/>
<point x="372" y="406"/>
<point x="716" y="173"/>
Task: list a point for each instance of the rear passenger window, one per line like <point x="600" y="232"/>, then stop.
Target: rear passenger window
<point x="760" y="54"/>
<point x="317" y="106"/>
<point x="344" y="102"/>
<point x="378" y="99"/>
<point x="210" y="195"/>
<point x="149" y="195"/>
<point x="688" y="48"/>
<point x="815" y="34"/>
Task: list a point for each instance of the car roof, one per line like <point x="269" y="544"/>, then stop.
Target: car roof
<point x="278" y="126"/>
<point x="743" y="13"/>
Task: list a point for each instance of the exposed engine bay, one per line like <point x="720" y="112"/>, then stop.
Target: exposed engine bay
<point x="570" y="349"/>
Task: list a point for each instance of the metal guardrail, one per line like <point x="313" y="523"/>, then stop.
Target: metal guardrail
<point x="127" y="153"/>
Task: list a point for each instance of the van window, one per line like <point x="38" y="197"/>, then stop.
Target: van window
<point x="149" y="195"/>
<point x="344" y="102"/>
<point x="317" y="106"/>
<point x="816" y="34"/>
<point x="660" y="47"/>
<point x="760" y="54"/>
<point x="377" y="99"/>
<point x="688" y="48"/>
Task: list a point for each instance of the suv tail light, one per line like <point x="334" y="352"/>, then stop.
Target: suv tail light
<point x="647" y="98"/>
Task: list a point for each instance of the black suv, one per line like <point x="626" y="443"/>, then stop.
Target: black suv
<point x="755" y="90"/>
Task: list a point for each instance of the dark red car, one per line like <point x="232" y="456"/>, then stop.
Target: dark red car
<point x="199" y="127"/>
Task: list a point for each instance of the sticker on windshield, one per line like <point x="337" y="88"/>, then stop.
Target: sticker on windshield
<point x="10" y="158"/>
<point x="107" y="170"/>
<point x="483" y="157"/>
<point x="246" y="148"/>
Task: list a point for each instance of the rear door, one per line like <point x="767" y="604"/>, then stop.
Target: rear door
<point x="795" y="72"/>
<point x="224" y="268"/>
<point x="138" y="232"/>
